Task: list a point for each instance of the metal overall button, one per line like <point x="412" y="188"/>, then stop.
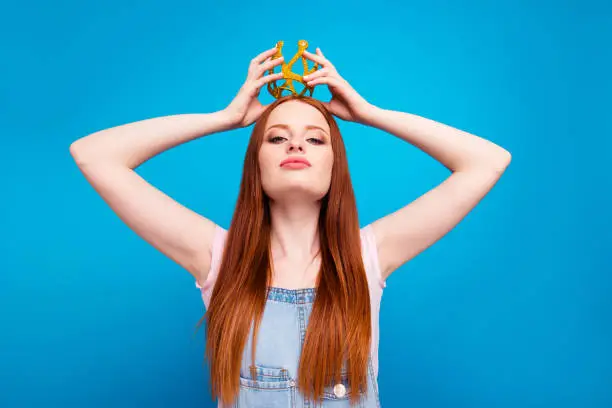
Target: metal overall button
<point x="339" y="390"/>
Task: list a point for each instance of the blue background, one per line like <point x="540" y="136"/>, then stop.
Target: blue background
<point x="510" y="309"/>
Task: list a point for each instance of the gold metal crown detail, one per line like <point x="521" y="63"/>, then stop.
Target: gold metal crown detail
<point x="288" y="75"/>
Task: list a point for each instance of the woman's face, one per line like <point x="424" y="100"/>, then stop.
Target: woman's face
<point x="296" y="130"/>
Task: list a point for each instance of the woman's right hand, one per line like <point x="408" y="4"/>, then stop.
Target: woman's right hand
<point x="246" y="108"/>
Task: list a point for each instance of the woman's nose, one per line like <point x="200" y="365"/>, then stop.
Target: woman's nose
<point x="294" y="146"/>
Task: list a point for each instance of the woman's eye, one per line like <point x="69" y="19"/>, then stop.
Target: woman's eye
<point x="275" y="138"/>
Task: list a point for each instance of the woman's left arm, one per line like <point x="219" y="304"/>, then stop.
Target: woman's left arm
<point x="476" y="165"/>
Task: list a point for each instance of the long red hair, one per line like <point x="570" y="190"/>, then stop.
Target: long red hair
<point x="339" y="327"/>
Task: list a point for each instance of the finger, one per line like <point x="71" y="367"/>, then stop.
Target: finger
<point x="318" y="73"/>
<point x="316" y="58"/>
<point x="255" y="72"/>
<point x="324" y="80"/>
<point x="270" y="65"/>
<point x="267" y="78"/>
<point x="270" y="58"/>
<point x="261" y="57"/>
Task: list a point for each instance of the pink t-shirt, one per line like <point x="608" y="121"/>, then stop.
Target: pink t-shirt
<point x="372" y="266"/>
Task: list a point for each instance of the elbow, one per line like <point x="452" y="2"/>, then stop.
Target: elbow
<point x="76" y="151"/>
<point x="494" y="162"/>
<point x="82" y="153"/>
<point x="506" y="158"/>
<point x="502" y="161"/>
<point x="74" y="148"/>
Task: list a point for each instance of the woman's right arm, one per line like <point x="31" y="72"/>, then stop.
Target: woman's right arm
<point x="107" y="159"/>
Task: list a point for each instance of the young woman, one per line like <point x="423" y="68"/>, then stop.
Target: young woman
<point x="292" y="289"/>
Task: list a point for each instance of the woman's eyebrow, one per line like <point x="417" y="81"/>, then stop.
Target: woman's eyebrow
<point x="308" y="127"/>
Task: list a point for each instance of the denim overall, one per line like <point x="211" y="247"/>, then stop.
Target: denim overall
<point x="279" y="344"/>
<point x="281" y="337"/>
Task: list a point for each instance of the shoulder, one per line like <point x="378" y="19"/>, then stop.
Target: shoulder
<point x="368" y="248"/>
<point x="370" y="256"/>
<point x="218" y="245"/>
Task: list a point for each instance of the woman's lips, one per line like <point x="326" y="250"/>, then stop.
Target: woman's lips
<point x="295" y="165"/>
<point x="293" y="162"/>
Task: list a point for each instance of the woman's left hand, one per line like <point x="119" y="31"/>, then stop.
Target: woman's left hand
<point x="345" y="103"/>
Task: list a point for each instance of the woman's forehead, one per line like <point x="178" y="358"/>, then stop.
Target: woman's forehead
<point x="297" y="116"/>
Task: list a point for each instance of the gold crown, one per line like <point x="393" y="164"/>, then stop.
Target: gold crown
<point x="289" y="76"/>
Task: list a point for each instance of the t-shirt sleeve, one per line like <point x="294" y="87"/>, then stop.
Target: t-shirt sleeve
<point x="370" y="254"/>
<point x="376" y="285"/>
<point x="218" y="244"/>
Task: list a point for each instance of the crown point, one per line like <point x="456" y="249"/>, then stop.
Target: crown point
<point x="289" y="76"/>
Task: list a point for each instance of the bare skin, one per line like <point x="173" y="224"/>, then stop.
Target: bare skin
<point x="295" y="193"/>
<point x="107" y="159"/>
